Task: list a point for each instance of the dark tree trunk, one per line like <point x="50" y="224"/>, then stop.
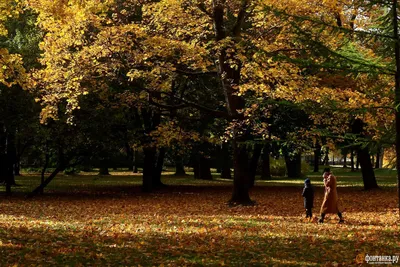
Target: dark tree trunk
<point x="345" y="161"/>
<point x="135" y="161"/>
<point x="42" y="179"/>
<point x="158" y="170"/>
<point x="40" y="188"/>
<point x="179" y="167"/>
<point x="317" y="156"/>
<point x="104" y="171"/>
<point x="352" y="160"/>
<point x="204" y="168"/>
<point x="364" y="158"/>
<point x="17" y="168"/>
<point x="326" y="158"/>
<point x="10" y="161"/>
<point x="148" y="168"/>
<point x="367" y="171"/>
<point x="230" y="78"/>
<point x="378" y="158"/>
<point x="226" y="162"/>
<point x="357" y="164"/>
<point x="241" y="183"/>
<point x="266" y="165"/>
<point x="293" y="165"/>
<point x="104" y="167"/>
<point x="129" y="156"/>
<point x="254" y="164"/>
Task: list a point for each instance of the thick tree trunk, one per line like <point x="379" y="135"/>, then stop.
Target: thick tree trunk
<point x="204" y="168"/>
<point x="158" y="170"/>
<point x="104" y="167"/>
<point x="225" y="162"/>
<point x="367" y="171"/>
<point x="104" y="170"/>
<point x="266" y="165"/>
<point x="293" y="166"/>
<point x="179" y="167"/>
<point x="254" y="164"/>
<point x="148" y="168"/>
<point x="352" y="160"/>
<point x="230" y="79"/>
<point x="317" y="156"/>
<point x="240" y="193"/>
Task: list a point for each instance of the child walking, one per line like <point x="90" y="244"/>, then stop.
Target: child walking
<point x="308" y="195"/>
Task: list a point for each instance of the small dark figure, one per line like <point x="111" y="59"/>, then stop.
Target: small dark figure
<point x="308" y="194"/>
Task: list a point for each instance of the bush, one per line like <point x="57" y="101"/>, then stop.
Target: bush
<point x="278" y="167"/>
<point x="71" y="171"/>
<point x="305" y="168"/>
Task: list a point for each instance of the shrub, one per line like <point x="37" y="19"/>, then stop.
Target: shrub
<point x="278" y="167"/>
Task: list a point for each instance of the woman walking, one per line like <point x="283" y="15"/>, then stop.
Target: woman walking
<point x="330" y="203"/>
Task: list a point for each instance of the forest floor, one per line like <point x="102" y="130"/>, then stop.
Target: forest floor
<point x="89" y="220"/>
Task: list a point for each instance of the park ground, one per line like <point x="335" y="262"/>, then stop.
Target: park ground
<point x="90" y="220"/>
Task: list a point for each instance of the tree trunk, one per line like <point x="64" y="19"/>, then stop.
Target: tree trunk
<point x="317" y="155"/>
<point x="204" y="168"/>
<point x="158" y="170"/>
<point x="367" y="171"/>
<point x="352" y="160"/>
<point x="17" y="168"/>
<point x="135" y="161"/>
<point x="326" y="158"/>
<point x="179" y="167"/>
<point x="378" y="158"/>
<point x="229" y="75"/>
<point x="293" y="165"/>
<point x="254" y="164"/>
<point x="103" y="170"/>
<point x="226" y="162"/>
<point x="10" y="161"/>
<point x="46" y="182"/>
<point x="266" y="165"/>
<point x="240" y="193"/>
<point x="357" y="164"/>
<point x="46" y="163"/>
<point x="148" y="168"/>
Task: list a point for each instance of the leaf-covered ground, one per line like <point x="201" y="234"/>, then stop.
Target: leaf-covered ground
<point x="107" y="221"/>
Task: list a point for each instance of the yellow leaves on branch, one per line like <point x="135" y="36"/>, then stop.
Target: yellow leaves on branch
<point x="170" y="134"/>
<point x="11" y="69"/>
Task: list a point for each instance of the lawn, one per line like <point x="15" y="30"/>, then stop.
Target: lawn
<point x="89" y="220"/>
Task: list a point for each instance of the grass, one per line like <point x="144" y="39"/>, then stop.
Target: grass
<point x="90" y="220"/>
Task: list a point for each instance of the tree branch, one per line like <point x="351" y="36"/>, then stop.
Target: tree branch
<point x="240" y="18"/>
